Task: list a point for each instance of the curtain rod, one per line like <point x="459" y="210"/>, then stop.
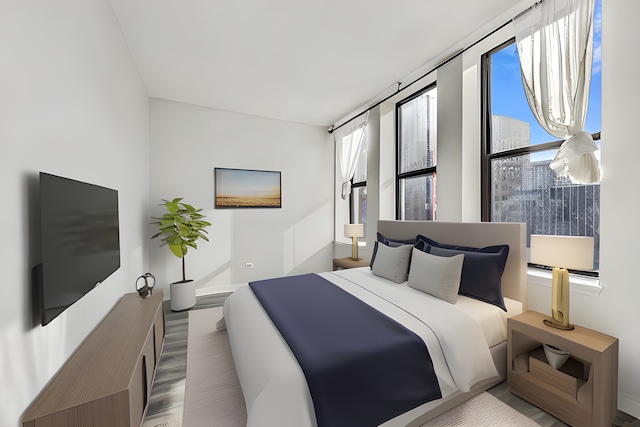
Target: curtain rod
<point x="446" y="61"/>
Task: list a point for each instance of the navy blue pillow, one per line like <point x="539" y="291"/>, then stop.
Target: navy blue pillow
<point x="389" y="242"/>
<point x="395" y="242"/>
<point x="481" y="271"/>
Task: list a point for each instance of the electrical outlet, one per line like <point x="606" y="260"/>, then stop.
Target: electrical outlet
<point x="248" y="265"/>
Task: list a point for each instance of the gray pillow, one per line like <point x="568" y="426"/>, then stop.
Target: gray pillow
<point x="392" y="263"/>
<point x="436" y="275"/>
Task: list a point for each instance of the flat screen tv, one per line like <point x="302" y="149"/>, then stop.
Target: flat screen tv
<point x="80" y="241"/>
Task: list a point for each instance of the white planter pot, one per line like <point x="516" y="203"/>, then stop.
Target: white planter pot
<point x="183" y="295"/>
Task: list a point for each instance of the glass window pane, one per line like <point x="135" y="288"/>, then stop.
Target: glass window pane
<point x="509" y="107"/>
<point x="359" y="207"/>
<point x="525" y="189"/>
<point x="418" y="198"/>
<point x="417" y="132"/>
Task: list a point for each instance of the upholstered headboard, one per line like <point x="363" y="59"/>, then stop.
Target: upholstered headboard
<point x="475" y="234"/>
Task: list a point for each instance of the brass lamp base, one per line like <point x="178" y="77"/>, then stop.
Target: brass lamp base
<point x="560" y="301"/>
<point x="554" y="324"/>
<point x="354" y="249"/>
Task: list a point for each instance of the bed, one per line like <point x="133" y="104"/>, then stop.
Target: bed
<point x="468" y="350"/>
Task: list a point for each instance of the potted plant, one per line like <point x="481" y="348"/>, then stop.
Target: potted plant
<point x="181" y="227"/>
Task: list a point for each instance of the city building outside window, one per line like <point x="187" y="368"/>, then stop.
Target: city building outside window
<point x="518" y="185"/>
<point x="416" y="156"/>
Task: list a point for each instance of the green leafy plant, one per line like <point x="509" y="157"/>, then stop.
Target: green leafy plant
<point x="181" y="227"/>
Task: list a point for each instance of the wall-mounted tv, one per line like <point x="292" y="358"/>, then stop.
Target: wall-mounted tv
<point x="80" y="241"/>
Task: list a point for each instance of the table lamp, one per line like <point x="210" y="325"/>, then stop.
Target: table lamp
<point x="566" y="252"/>
<point x="354" y="231"/>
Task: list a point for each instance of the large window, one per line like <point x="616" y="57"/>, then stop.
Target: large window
<point x="518" y="185"/>
<point x="416" y="154"/>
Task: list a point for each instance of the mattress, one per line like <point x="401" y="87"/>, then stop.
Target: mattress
<point x="273" y="383"/>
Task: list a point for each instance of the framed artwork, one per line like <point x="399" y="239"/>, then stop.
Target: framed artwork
<point x="245" y="188"/>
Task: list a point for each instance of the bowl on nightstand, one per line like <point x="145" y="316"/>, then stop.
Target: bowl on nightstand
<point x="555" y="356"/>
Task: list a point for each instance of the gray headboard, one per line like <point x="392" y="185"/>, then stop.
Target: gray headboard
<point x="476" y="234"/>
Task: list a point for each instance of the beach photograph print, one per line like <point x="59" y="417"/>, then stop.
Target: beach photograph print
<point x="242" y="188"/>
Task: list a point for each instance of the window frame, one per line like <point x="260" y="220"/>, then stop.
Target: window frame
<point x="487" y="156"/>
<point x="352" y="200"/>
<point x="429" y="171"/>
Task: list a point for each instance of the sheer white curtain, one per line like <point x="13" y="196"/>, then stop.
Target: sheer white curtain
<point x="348" y="140"/>
<point x="555" y="42"/>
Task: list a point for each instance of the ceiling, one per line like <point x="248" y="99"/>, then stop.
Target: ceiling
<point x="311" y="62"/>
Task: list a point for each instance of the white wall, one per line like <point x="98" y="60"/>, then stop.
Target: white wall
<point x="373" y="181"/>
<point x="387" y="162"/>
<point x="72" y="104"/>
<point x="449" y="142"/>
<point x="187" y="142"/>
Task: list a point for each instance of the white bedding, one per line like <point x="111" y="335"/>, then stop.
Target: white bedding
<point x="492" y="320"/>
<point x="273" y="383"/>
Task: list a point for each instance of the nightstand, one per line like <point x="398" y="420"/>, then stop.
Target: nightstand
<point x="344" y="263"/>
<point x="583" y="392"/>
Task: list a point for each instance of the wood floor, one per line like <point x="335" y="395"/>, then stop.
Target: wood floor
<point x="166" y="404"/>
<point x="167" y="395"/>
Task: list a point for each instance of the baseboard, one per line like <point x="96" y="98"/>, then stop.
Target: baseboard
<point x="217" y="289"/>
<point x="628" y="406"/>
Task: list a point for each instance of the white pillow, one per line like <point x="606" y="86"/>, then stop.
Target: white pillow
<point x="392" y="263"/>
<point x="438" y="276"/>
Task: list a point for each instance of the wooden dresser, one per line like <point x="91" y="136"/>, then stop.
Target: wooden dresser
<point x="107" y="381"/>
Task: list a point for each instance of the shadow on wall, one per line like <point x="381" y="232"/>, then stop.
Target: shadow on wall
<point x="210" y="277"/>
<point x="306" y="239"/>
<point x="320" y="261"/>
<point x="303" y="247"/>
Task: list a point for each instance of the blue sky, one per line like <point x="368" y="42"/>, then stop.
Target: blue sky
<point x="508" y="97"/>
<point x="239" y="181"/>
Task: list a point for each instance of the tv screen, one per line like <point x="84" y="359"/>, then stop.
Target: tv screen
<point x="80" y="240"/>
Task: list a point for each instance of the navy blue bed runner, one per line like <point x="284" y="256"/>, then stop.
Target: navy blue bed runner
<point x="362" y="367"/>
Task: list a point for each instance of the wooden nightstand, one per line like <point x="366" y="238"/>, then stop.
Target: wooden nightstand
<point x="344" y="263"/>
<point x="583" y="392"/>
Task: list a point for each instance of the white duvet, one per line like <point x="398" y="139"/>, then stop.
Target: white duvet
<point x="274" y="386"/>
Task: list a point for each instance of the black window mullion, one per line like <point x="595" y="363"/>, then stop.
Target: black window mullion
<point x="419" y="172"/>
<point x="351" y="201"/>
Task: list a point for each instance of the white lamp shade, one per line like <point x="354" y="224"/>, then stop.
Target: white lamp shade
<point x="570" y="252"/>
<point x="353" y="230"/>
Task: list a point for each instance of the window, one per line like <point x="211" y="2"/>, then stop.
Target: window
<point x="518" y="185"/>
<point x="350" y="174"/>
<point x="358" y="198"/>
<point x="416" y="155"/>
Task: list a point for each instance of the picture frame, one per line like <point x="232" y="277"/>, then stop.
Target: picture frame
<point x="247" y="188"/>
